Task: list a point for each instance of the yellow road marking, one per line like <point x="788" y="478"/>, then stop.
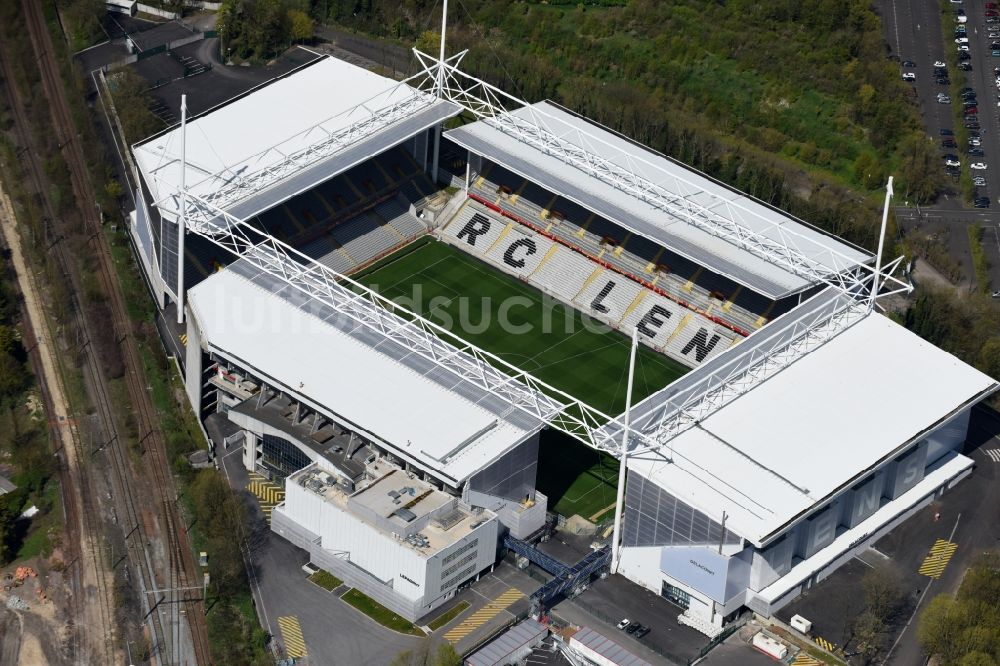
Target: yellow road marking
<point x="936" y="561"/>
<point x="803" y="659"/>
<point x="291" y="632"/>
<point x="483" y="615"/>
<point x="825" y="644"/>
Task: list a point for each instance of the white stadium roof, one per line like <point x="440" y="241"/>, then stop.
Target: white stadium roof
<point x="640" y="217"/>
<point x="427" y="415"/>
<point x="771" y="455"/>
<point x="286" y="137"/>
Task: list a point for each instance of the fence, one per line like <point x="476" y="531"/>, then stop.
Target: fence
<point x="148" y="53"/>
<point x="156" y="11"/>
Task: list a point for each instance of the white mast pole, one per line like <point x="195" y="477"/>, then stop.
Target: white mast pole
<point x="182" y="221"/>
<point x="881" y="244"/>
<point x="626" y="432"/>
<point x="444" y="28"/>
<point x="439" y="91"/>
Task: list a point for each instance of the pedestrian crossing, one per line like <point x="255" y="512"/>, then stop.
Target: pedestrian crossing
<point x="994" y="454"/>
<point x="825" y="644"/>
<point x="803" y="659"/>
<point x="268" y="494"/>
<point x="936" y="561"/>
<point x="291" y="632"/>
<point x="483" y="615"/>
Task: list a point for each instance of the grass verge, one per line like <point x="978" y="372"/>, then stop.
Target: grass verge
<point x="380" y="613"/>
<point x="447" y="617"/>
<point x="326" y="580"/>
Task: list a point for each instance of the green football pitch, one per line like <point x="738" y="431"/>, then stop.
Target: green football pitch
<point x="516" y="322"/>
<point x="554" y="342"/>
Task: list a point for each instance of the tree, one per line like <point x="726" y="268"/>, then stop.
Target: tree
<point x="989" y="357"/>
<point x="884" y="591"/>
<point x="301" y="25"/>
<point x="919" y="169"/>
<point x="430" y="652"/>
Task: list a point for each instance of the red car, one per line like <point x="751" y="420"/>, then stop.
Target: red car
<point x="991" y="12"/>
<point x="991" y="5"/>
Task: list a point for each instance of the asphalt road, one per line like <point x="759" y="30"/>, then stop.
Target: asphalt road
<point x="950" y="227"/>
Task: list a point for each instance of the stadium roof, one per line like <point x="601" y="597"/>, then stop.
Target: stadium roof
<point x="286" y="137"/>
<point x="427" y="415"/>
<point x="642" y="218"/>
<point x="770" y="456"/>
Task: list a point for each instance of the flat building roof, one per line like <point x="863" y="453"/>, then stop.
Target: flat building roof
<point x="769" y="456"/>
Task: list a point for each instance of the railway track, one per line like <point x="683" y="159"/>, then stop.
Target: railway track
<point x="81" y="513"/>
<point x="172" y="643"/>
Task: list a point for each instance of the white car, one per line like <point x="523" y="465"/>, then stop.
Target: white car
<point x="975" y="142"/>
<point x="909" y="76"/>
<point x="944" y="99"/>
<point x="979" y="166"/>
<point x="963" y="47"/>
<point x="962" y="40"/>
<point x="624" y="623"/>
<point x="940" y="63"/>
<point x="994" y="35"/>
<point x="961" y="19"/>
<point x="952" y="163"/>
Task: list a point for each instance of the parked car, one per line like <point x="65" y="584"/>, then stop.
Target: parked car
<point x="978" y="166"/>
<point x="949" y="143"/>
<point x="946" y="132"/>
<point x="909" y="76"/>
<point x="624" y="623"/>
<point x="953" y="163"/>
<point x="943" y="80"/>
<point x="944" y="99"/>
<point x="979" y="181"/>
<point x="981" y="202"/>
<point x="940" y="63"/>
<point x="976" y="152"/>
<point x="965" y="66"/>
<point x="641" y="631"/>
<point x="632" y="627"/>
<point x="972" y="125"/>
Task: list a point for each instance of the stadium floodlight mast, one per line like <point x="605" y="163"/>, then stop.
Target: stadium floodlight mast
<point x="182" y="218"/>
<point x="623" y="461"/>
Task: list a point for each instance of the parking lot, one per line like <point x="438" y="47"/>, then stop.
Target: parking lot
<point x="949" y="60"/>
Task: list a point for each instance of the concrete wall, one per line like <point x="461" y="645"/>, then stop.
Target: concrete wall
<point x="156" y="11"/>
<point x="520" y="521"/>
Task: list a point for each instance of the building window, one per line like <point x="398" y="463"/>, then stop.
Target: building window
<point x="451" y="556"/>
<point x="281" y="457"/>
<point x="455" y="567"/>
<point x="455" y="580"/>
<point x="675" y="595"/>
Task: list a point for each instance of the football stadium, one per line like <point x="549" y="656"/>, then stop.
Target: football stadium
<point x="436" y="315"/>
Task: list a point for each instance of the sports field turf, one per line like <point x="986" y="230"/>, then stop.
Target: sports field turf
<point x="468" y="297"/>
<point x="515" y="321"/>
